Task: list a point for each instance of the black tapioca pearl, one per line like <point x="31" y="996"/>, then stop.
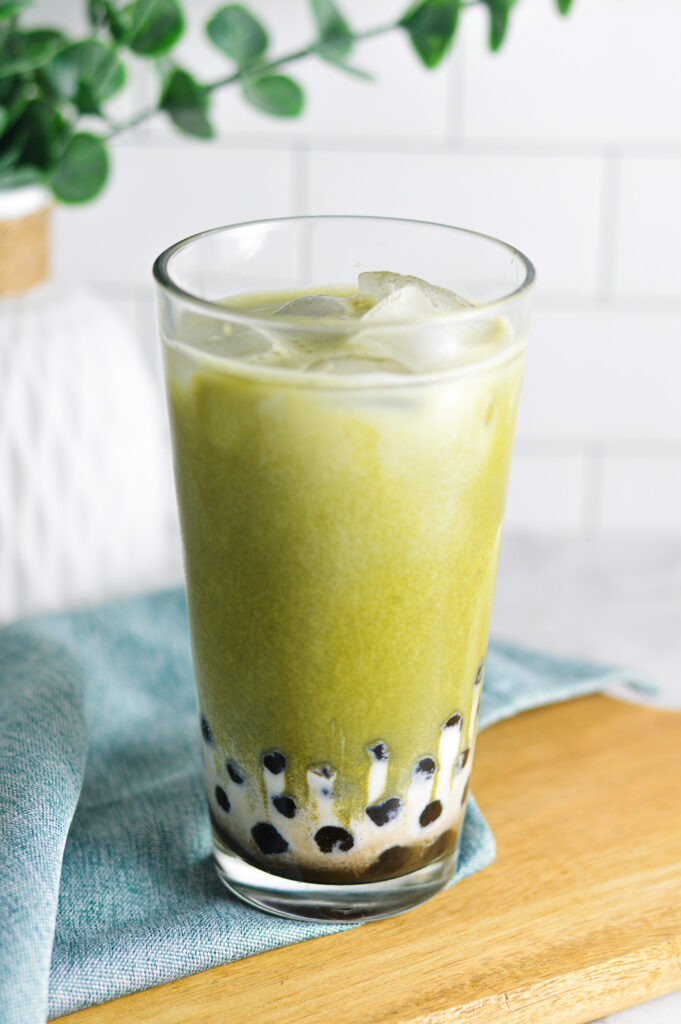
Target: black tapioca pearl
<point x="206" y="731"/>
<point x="392" y="859"/>
<point x="275" y="762"/>
<point x="425" y="767"/>
<point x="481" y="669"/>
<point x="379" y="751"/>
<point x="465" y="792"/>
<point x="443" y="844"/>
<point x="462" y="759"/>
<point x="334" y="839"/>
<point x="323" y="771"/>
<point x="286" y="805"/>
<point x="386" y="811"/>
<point x="234" y="773"/>
<point x="268" y="839"/>
<point x="454" y="722"/>
<point x="221" y="798"/>
<point x="325" y="791"/>
<point x="430" y="813"/>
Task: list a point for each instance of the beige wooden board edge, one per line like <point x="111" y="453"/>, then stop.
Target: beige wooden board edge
<point x="579" y="916"/>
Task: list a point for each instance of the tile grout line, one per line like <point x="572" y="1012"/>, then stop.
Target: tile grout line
<point x="583" y="302"/>
<point x="470" y="146"/>
<point x="574" y="447"/>
<point x="592" y="490"/>
<point x="608" y="227"/>
<point x="454" y="97"/>
<point x="300" y="179"/>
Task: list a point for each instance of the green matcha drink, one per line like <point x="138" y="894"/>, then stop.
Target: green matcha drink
<point x="341" y="494"/>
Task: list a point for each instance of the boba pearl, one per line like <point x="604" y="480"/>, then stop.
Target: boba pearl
<point x="286" y="805"/>
<point x="206" y="731"/>
<point x="222" y="798"/>
<point x="425" y="767"/>
<point x="462" y="759"/>
<point x="430" y="813"/>
<point x="234" y="774"/>
<point x="453" y="722"/>
<point x="275" y="762"/>
<point x="386" y="811"/>
<point x="442" y="844"/>
<point x="334" y="839"/>
<point x="268" y="839"/>
<point x="394" y="858"/>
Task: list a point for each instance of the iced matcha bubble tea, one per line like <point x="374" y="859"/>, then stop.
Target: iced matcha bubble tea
<point x="342" y="396"/>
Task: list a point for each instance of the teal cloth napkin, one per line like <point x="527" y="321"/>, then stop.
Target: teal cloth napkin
<point x="106" y="880"/>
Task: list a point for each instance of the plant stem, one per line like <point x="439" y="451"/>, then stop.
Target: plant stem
<point x="237" y="76"/>
<point x="139" y="118"/>
<point x="289" y="58"/>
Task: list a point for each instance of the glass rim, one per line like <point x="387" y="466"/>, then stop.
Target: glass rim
<point x="332" y="325"/>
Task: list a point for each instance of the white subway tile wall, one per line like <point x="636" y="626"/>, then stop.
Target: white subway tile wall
<point x="642" y="491"/>
<point x="555" y="505"/>
<point x="529" y="200"/>
<point x="648" y="253"/>
<point x="605" y="76"/>
<point x="161" y="193"/>
<point x="566" y="143"/>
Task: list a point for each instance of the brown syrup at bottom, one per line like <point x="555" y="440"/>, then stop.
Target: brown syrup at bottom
<point x="393" y="862"/>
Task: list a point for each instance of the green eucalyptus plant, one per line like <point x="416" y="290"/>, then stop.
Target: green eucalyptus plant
<point x="54" y="126"/>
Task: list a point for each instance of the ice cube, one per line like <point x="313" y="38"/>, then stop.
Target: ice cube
<point x="245" y="343"/>
<point x="314" y="306"/>
<point x="231" y="341"/>
<point x="377" y="286"/>
<point x="299" y="348"/>
<point x="402" y="305"/>
<point x="414" y="306"/>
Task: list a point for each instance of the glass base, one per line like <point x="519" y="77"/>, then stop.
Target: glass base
<point x="311" y="901"/>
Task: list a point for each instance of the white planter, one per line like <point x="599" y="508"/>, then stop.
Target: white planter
<point x="85" y="495"/>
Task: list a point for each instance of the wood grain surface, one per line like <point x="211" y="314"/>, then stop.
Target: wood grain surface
<point x="579" y="916"/>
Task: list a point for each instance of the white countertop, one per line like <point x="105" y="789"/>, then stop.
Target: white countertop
<point x="616" y="601"/>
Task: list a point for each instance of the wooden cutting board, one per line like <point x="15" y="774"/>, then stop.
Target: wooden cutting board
<point x="579" y="916"/>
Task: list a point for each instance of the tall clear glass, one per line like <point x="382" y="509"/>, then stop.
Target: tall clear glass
<point x="341" y="503"/>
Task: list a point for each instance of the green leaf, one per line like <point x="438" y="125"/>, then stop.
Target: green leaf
<point x="42" y="132"/>
<point x="27" y="51"/>
<point x="82" y="171"/>
<point x="9" y="158"/>
<point x="16" y="177"/>
<point x="102" y="12"/>
<point x="155" y="26"/>
<point x="237" y="33"/>
<point x="564" y="5"/>
<point x="88" y="74"/>
<point x="186" y="102"/>
<point x="334" y="32"/>
<point x="357" y="72"/>
<point x="15" y="99"/>
<point x="499" y="12"/>
<point x="4" y="118"/>
<point x="11" y="149"/>
<point x="275" y="94"/>
<point x="8" y="86"/>
<point x="10" y="9"/>
<point x="431" y="25"/>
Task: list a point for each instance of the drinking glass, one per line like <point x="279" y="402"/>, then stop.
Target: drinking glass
<point x="341" y="518"/>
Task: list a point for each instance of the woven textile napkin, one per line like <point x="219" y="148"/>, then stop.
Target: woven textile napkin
<point x="106" y="880"/>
